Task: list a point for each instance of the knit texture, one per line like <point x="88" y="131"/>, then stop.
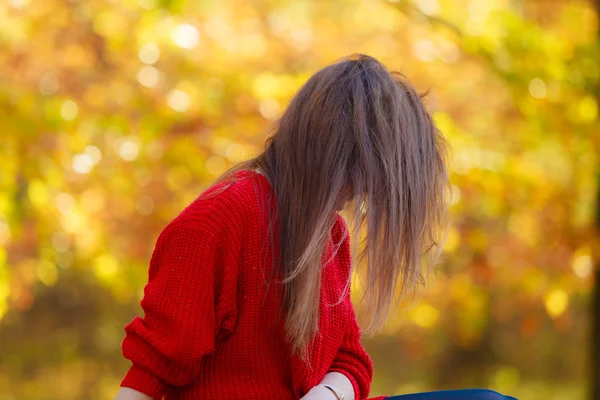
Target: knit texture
<point x="212" y="327"/>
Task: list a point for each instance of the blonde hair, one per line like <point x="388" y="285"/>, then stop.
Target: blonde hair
<point x="355" y="126"/>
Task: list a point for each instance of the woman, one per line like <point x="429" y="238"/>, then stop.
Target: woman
<point x="248" y="291"/>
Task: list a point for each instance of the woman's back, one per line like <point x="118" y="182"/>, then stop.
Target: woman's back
<point x="226" y="340"/>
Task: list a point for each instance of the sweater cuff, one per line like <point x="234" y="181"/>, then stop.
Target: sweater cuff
<point x="143" y="381"/>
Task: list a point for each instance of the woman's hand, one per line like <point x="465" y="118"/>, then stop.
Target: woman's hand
<point x="319" y="393"/>
<point x="126" y="393"/>
<point x="335" y="379"/>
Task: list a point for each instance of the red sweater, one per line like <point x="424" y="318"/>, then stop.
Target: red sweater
<point x="211" y="328"/>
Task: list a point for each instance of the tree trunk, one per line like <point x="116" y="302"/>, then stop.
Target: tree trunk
<point x="595" y="306"/>
<point x="595" y="303"/>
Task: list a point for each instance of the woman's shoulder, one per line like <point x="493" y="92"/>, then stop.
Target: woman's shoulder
<point x="226" y="204"/>
<point x="340" y="231"/>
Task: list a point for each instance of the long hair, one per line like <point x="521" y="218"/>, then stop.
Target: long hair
<point x="355" y="127"/>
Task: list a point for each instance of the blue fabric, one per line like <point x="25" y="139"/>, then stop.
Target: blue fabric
<point x="462" y="394"/>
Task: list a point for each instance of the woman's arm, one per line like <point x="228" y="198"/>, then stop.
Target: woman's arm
<point x="351" y="360"/>
<point x="335" y="379"/>
<point x="126" y="393"/>
<point x="167" y="345"/>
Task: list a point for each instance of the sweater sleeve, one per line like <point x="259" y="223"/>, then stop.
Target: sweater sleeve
<point x="189" y="298"/>
<point x="352" y="360"/>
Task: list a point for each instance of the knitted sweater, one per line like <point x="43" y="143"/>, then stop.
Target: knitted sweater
<point x="212" y="327"/>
